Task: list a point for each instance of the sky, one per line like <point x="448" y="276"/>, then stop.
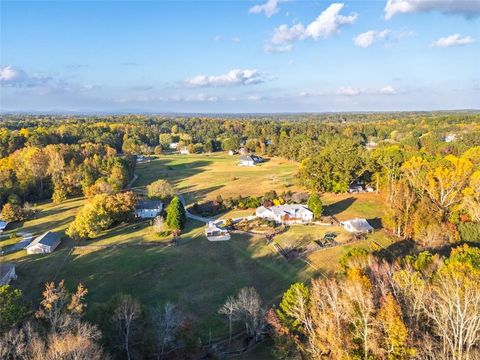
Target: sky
<point x="239" y="56"/>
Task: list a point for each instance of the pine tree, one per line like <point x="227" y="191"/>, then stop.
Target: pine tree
<point x="315" y="204"/>
<point x="176" y="216"/>
<point x="294" y="303"/>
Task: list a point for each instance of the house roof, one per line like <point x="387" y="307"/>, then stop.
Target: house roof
<point x="149" y="205"/>
<point x="49" y="239"/>
<point x="359" y="225"/>
<point x="212" y="226"/>
<point x="246" y="158"/>
<point x="3" y="225"/>
<point x="5" y="268"/>
<point x="287" y="209"/>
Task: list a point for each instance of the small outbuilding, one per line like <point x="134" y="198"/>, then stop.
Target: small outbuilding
<point x="44" y="244"/>
<point x="357" y="225"/>
<point x="7" y="273"/>
<point x="3" y="225"/>
<point x="215" y="232"/>
<point x="249" y="160"/>
<point x="148" y="209"/>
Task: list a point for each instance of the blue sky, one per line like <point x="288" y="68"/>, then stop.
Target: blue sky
<point x="240" y="56"/>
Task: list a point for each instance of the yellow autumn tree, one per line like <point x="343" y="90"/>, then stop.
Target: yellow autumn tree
<point x="443" y="181"/>
<point x="471" y="197"/>
<point x="394" y="339"/>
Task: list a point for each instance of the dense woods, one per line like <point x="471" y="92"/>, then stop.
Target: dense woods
<point x="423" y="307"/>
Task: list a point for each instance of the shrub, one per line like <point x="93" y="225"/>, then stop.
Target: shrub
<point x="160" y="189"/>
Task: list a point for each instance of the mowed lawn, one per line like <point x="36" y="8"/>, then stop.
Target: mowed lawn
<point x="370" y="206"/>
<point x="196" y="274"/>
<point x="201" y="176"/>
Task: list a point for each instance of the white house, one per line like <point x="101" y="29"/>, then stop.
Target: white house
<point x="249" y="160"/>
<point x="357" y="226"/>
<point x="148" y="209"/>
<point x="449" y="138"/>
<point x="3" y="225"/>
<point x="44" y="244"/>
<point x="214" y="232"/>
<point x="7" y="273"/>
<point x="184" y="151"/>
<point x="173" y="145"/>
<point x="286" y="214"/>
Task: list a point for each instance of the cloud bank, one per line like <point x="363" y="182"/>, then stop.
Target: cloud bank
<point x="234" y="77"/>
<point x="467" y="8"/>
<point x="11" y="76"/>
<point x="355" y="91"/>
<point x="452" y="40"/>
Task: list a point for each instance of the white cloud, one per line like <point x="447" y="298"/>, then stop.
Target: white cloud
<point x="388" y="90"/>
<point x="467" y="8"/>
<point x="355" y="91"/>
<point x="232" y="78"/>
<point x="11" y="76"/>
<point x="349" y="91"/>
<point x="325" y="25"/>
<point x="367" y="39"/>
<point x="234" y="39"/>
<point x="278" y="49"/>
<point x="269" y="8"/>
<point x="452" y="40"/>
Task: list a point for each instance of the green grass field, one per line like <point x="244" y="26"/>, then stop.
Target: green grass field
<point x="201" y="177"/>
<point x="196" y="274"/>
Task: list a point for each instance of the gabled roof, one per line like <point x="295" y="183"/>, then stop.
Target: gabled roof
<point x="3" y="225"/>
<point x="359" y="225"/>
<point x="287" y="209"/>
<point x="262" y="209"/>
<point x="246" y="158"/>
<point x="149" y="205"/>
<point x="47" y="239"/>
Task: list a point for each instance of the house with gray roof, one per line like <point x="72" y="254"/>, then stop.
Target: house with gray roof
<point x="3" y="225"/>
<point x="357" y="225"/>
<point x="7" y="273"/>
<point x="148" y="209"/>
<point x="44" y="244"/>
<point x="249" y="160"/>
<point x="286" y="214"/>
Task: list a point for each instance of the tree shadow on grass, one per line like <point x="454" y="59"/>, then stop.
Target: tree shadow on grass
<point x="197" y="195"/>
<point x="196" y="274"/>
<point x="166" y="169"/>
<point x="396" y="250"/>
<point x="339" y="206"/>
<point x="376" y="223"/>
<point x="61" y="208"/>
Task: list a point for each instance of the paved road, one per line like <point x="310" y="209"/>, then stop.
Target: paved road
<point x="190" y="215"/>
